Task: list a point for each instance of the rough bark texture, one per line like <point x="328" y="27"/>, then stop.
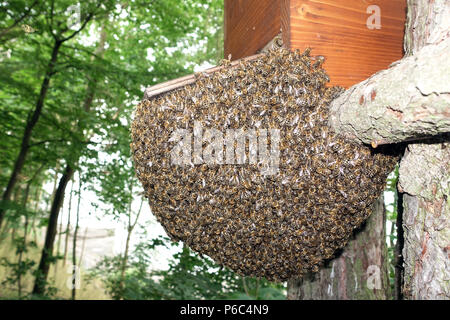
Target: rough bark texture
<point x="427" y="23"/>
<point x="359" y="272"/>
<point x="408" y="101"/>
<point x="424" y="177"/>
<point x="425" y="180"/>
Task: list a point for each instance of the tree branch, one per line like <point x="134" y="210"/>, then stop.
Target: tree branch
<point x="409" y="101"/>
<point x="18" y="20"/>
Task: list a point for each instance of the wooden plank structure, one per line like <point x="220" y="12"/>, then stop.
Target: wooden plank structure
<point x="340" y="30"/>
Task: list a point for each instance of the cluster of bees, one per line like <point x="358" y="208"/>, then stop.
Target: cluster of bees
<point x="277" y="226"/>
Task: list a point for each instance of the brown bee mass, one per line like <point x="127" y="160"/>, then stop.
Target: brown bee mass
<point x="275" y="226"/>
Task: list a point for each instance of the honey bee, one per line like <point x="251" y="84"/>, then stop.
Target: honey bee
<point x="275" y="226"/>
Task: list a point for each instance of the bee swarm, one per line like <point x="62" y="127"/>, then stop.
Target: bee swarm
<point x="276" y="226"/>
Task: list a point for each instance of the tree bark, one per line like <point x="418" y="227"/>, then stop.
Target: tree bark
<point x="47" y="251"/>
<point x="59" y="232"/>
<point x="424" y="178"/>
<point x="409" y="101"/>
<point x="360" y="271"/>
<point x="424" y="175"/>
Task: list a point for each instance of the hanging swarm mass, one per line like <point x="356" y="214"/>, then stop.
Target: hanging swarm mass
<point x="277" y="225"/>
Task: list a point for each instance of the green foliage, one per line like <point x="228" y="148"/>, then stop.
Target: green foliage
<point x="189" y="276"/>
<point x="391" y="216"/>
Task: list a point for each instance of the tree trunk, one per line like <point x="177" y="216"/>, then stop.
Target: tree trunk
<point x="24" y="241"/>
<point x="125" y="261"/>
<point x="31" y="122"/>
<point x="130" y="227"/>
<point x="14" y="223"/>
<point x="360" y="271"/>
<point x="424" y="179"/>
<point x="59" y="232"/>
<point x="37" y="198"/>
<point x="83" y="247"/>
<point x="424" y="176"/>
<point x="67" y="232"/>
<point x="74" y="241"/>
<point x="47" y="251"/>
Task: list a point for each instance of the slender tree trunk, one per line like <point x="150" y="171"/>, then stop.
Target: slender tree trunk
<point x="67" y="232"/>
<point x="55" y="184"/>
<point x="83" y="247"/>
<point x="24" y="241"/>
<point x="58" y="242"/>
<point x="130" y="227"/>
<point x="360" y="271"/>
<point x="244" y="285"/>
<point x="74" y="242"/>
<point x="31" y="122"/>
<point x="125" y="260"/>
<point x="37" y="198"/>
<point x="424" y="177"/>
<point x="47" y="251"/>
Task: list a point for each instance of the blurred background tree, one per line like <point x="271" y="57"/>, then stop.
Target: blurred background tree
<point x="70" y="74"/>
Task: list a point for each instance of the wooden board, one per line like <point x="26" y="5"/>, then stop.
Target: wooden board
<point x="249" y="26"/>
<point x="337" y="30"/>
